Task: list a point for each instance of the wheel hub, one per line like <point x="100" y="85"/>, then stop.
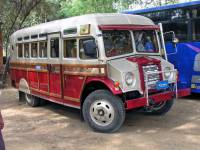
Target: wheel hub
<point x="102" y="112"/>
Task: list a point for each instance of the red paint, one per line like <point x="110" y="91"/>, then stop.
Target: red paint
<point x="56" y="100"/>
<point x="128" y="27"/>
<point x="141" y="102"/>
<point x="55" y="83"/>
<point x="43" y="78"/>
<point x="73" y="86"/>
<point x="184" y="92"/>
<point x="143" y="61"/>
<point x="20" y="74"/>
<point x="33" y="79"/>
<point x="107" y="82"/>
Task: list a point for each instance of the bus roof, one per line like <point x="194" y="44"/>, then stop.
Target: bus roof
<point x="161" y="8"/>
<point x="93" y="19"/>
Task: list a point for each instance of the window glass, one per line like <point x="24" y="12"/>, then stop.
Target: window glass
<point x="43" y="49"/>
<point x="34" y="50"/>
<point x="54" y="47"/>
<point x="26" y="50"/>
<point x="82" y="53"/>
<point x="146" y="41"/>
<point x="70" y="48"/>
<point x="117" y="43"/>
<point x="180" y="28"/>
<point x="196" y="30"/>
<point x="20" y="50"/>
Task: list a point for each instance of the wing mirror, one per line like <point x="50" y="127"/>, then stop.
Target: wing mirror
<point x="175" y="40"/>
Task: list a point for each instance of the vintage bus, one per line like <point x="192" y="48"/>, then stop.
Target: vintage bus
<point x="181" y="20"/>
<point x="96" y="63"/>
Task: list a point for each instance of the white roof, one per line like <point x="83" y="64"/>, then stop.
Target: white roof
<point x="93" y="19"/>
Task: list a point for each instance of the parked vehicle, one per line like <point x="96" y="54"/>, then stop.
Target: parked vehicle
<point x="182" y="21"/>
<point x="103" y="64"/>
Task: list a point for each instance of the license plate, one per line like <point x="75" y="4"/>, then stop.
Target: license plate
<point x="162" y="85"/>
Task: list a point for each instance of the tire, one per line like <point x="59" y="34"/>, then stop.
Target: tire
<point x="160" y="110"/>
<point x="31" y="100"/>
<point x="103" y="111"/>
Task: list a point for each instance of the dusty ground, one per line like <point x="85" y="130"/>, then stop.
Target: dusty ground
<point x="55" y="127"/>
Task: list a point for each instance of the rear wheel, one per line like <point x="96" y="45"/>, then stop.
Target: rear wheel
<point x="103" y="111"/>
<point x="31" y="100"/>
<point x="159" y="108"/>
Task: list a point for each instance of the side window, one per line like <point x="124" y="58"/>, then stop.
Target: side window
<point x="20" y="50"/>
<point x="54" y="47"/>
<point x="180" y="28"/>
<point x="34" y="50"/>
<point x="26" y="50"/>
<point x="43" y="49"/>
<point x="70" y="48"/>
<point x="196" y="30"/>
<point x="92" y="53"/>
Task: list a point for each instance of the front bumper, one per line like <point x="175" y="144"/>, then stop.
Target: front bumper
<point x="141" y="102"/>
<point x="184" y="92"/>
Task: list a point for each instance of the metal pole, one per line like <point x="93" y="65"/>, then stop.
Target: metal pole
<point x="162" y="39"/>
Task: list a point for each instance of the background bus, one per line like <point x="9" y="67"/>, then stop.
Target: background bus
<point x="184" y="20"/>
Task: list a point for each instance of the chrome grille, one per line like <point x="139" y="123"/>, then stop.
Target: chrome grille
<point x="152" y="78"/>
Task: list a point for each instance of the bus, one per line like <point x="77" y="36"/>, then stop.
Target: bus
<point x="95" y="63"/>
<point x="182" y="21"/>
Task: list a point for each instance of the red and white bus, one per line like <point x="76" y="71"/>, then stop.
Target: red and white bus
<point x="103" y="64"/>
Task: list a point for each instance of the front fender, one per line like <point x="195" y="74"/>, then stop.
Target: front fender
<point x="107" y="82"/>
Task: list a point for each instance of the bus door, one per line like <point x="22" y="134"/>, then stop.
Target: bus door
<point x="54" y="66"/>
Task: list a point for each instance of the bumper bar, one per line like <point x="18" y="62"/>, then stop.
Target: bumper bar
<point x="141" y="102"/>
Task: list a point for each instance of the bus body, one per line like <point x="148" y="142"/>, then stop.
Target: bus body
<point x="95" y="63"/>
<point x="184" y="20"/>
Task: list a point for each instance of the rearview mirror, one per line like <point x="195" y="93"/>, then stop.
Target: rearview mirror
<point x="175" y="40"/>
<point x="170" y="36"/>
<point x="90" y="48"/>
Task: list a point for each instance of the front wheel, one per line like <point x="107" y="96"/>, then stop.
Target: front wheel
<point x="103" y="111"/>
<point x="159" y="108"/>
<point x="31" y="100"/>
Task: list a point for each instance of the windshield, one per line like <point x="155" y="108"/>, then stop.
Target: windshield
<point x="146" y="41"/>
<point x="117" y="43"/>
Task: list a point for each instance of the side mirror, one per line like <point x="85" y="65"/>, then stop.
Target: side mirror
<point x="90" y="48"/>
<point x="175" y="40"/>
<point x="171" y="37"/>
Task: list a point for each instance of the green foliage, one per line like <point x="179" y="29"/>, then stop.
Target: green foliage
<point x="78" y="7"/>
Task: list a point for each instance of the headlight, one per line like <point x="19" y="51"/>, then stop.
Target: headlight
<point x="167" y="72"/>
<point x="129" y="78"/>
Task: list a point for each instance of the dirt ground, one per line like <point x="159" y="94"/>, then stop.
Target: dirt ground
<point x="55" y="127"/>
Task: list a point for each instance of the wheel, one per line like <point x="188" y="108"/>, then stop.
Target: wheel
<point x="31" y="100"/>
<point x="159" y="108"/>
<point x="103" y="112"/>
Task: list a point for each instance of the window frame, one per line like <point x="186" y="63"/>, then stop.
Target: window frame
<point x="77" y="54"/>
<point x="157" y="40"/>
<point x="124" y="55"/>
<point x="45" y="41"/>
<point x="28" y="51"/>
<point x="31" y="50"/>
<point x="78" y="48"/>
<point x="50" y="37"/>
<point x="18" y="50"/>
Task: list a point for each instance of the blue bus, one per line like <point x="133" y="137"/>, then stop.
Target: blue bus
<point x="183" y="21"/>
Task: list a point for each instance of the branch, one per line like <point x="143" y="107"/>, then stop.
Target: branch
<point x="28" y="13"/>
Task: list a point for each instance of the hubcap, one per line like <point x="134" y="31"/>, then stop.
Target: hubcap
<point x="28" y="98"/>
<point x="102" y="112"/>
